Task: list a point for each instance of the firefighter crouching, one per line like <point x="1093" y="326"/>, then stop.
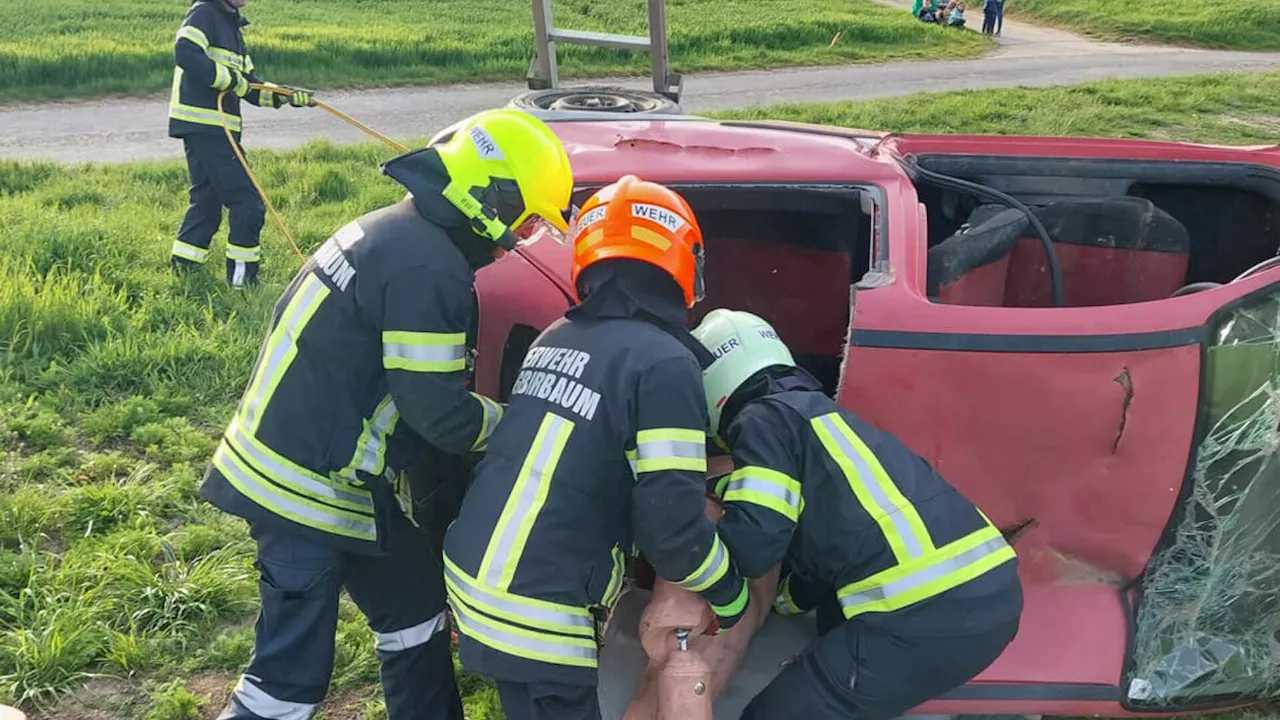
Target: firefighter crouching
<point x="602" y="449"/>
<point x="916" y="591"/>
<point x="365" y="360"/>
<point x="210" y="57"/>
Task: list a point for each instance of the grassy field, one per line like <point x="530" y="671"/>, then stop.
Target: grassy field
<point x="1253" y="25"/>
<point x="1238" y="108"/>
<point x="62" y="48"/>
<point x="122" y="595"/>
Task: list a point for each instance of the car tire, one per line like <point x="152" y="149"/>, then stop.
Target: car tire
<point x="596" y="98"/>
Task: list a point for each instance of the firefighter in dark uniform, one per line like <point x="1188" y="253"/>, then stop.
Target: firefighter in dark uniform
<point x="211" y="57"/>
<point x="916" y="591"/>
<point x="364" y="361"/>
<point x="602" y="450"/>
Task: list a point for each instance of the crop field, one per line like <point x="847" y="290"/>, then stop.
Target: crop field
<point x="122" y="595"/>
<point x="63" y="48"/>
<point x="1251" y="25"/>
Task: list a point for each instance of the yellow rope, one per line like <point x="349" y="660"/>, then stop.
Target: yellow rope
<point x="284" y="230"/>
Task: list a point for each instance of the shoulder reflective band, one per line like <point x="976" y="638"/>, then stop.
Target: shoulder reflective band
<point x="768" y="488"/>
<point x="712" y="569"/>
<point x="525" y="502"/>
<point x="508" y="607"/>
<point x="671" y="449"/>
<point x="424" y="351"/>
<point x="195" y="35"/>
<point x="952" y="565"/>
<point x="879" y="496"/>
<point x="281" y="349"/>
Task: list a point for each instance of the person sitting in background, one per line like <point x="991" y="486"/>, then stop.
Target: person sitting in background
<point x="956" y="18"/>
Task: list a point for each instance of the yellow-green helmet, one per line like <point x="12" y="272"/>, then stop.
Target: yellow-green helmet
<point x="507" y="167"/>
<point x="742" y="344"/>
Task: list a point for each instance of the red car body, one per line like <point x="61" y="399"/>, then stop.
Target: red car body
<point x="1083" y="431"/>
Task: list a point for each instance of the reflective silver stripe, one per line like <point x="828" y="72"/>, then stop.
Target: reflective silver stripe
<point x="203" y="117"/>
<point x="923" y="576"/>
<point x="225" y="57"/>
<point x="221" y="77"/>
<point x="492" y="414"/>
<point x="528" y="491"/>
<point x="528" y="644"/>
<point x="410" y="637"/>
<point x="307" y="485"/>
<point x="195" y="35"/>
<point x="867" y="479"/>
<point x="749" y="483"/>
<point x="282" y="345"/>
<point x="190" y="252"/>
<point x="670" y="448"/>
<point x="292" y="507"/>
<point x="370" y="454"/>
<point x="425" y="353"/>
<point x="247" y="254"/>
<point x="548" y="618"/>
<point x="257" y="701"/>
<point x="711" y="572"/>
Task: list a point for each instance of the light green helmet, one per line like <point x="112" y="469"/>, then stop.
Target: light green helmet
<point x="743" y="344"/>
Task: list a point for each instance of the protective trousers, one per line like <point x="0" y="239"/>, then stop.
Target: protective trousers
<point x="218" y="180"/>
<point x="861" y="672"/>
<point x="401" y="594"/>
<point x="548" y="701"/>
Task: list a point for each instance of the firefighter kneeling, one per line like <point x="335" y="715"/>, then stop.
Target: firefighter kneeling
<point x="916" y="591"/>
<point x="602" y="448"/>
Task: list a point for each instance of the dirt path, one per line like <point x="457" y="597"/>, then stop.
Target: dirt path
<point x="132" y="129"/>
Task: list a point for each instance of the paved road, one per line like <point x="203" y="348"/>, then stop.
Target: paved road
<point x="130" y="129"/>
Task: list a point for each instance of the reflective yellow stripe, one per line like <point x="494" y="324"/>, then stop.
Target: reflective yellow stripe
<point x="737" y="605"/>
<point x="671" y="449"/>
<point x="518" y="641"/>
<point x="192" y="114"/>
<point x="631" y="460"/>
<point x="221" y="77"/>
<point x="371" y="447"/>
<point x="190" y="252"/>
<point x="195" y="35"/>
<point x="266" y="99"/>
<point x="424" y="351"/>
<point x="768" y="488"/>
<point x="712" y="569"/>
<point x="224" y="56"/>
<point x="294" y="477"/>
<point x="879" y="496"/>
<point x="783" y="604"/>
<point x="531" y="612"/>
<point x="299" y="509"/>
<point x="281" y="349"/>
<point x="245" y="254"/>
<point x="525" y="502"/>
<point x="492" y="415"/>
<point x="615" y="578"/>
<point x="927" y="576"/>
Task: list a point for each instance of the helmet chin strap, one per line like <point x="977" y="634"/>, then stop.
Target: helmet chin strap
<point x="484" y="220"/>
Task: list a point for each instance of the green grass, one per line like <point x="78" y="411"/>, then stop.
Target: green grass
<point x="63" y="48"/>
<point x="122" y="595"/>
<point x="1236" y="108"/>
<point x="1253" y="25"/>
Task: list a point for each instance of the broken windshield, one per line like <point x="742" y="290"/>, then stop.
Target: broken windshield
<point x="1209" y="615"/>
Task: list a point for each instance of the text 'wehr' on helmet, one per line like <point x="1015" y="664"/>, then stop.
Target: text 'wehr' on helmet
<point x="645" y="221"/>
<point x="742" y="344"/>
<point x="508" y="174"/>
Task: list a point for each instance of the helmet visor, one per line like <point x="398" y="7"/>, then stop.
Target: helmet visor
<point x="535" y="228"/>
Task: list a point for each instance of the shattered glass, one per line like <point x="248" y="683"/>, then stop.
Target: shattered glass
<point x="1208" y="625"/>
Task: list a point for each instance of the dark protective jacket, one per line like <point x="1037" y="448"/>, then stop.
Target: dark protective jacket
<point x="365" y="359"/>
<point x="855" y="513"/>
<point x="601" y="452"/>
<point x="207" y="52"/>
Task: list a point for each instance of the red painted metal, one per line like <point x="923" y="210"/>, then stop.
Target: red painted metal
<point x="1090" y="446"/>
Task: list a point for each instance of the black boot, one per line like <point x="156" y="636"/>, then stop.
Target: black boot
<point x="242" y="274"/>
<point x="182" y="266"/>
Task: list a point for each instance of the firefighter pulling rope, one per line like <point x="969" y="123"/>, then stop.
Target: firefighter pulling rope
<point x="279" y="90"/>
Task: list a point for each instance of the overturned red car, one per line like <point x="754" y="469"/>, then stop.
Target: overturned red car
<point x="1082" y="335"/>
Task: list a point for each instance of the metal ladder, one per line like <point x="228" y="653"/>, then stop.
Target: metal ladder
<point x="544" y="75"/>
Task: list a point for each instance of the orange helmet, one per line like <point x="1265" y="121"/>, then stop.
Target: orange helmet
<point x="641" y="220"/>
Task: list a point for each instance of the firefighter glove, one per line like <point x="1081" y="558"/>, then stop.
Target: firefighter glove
<point x="301" y="98"/>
